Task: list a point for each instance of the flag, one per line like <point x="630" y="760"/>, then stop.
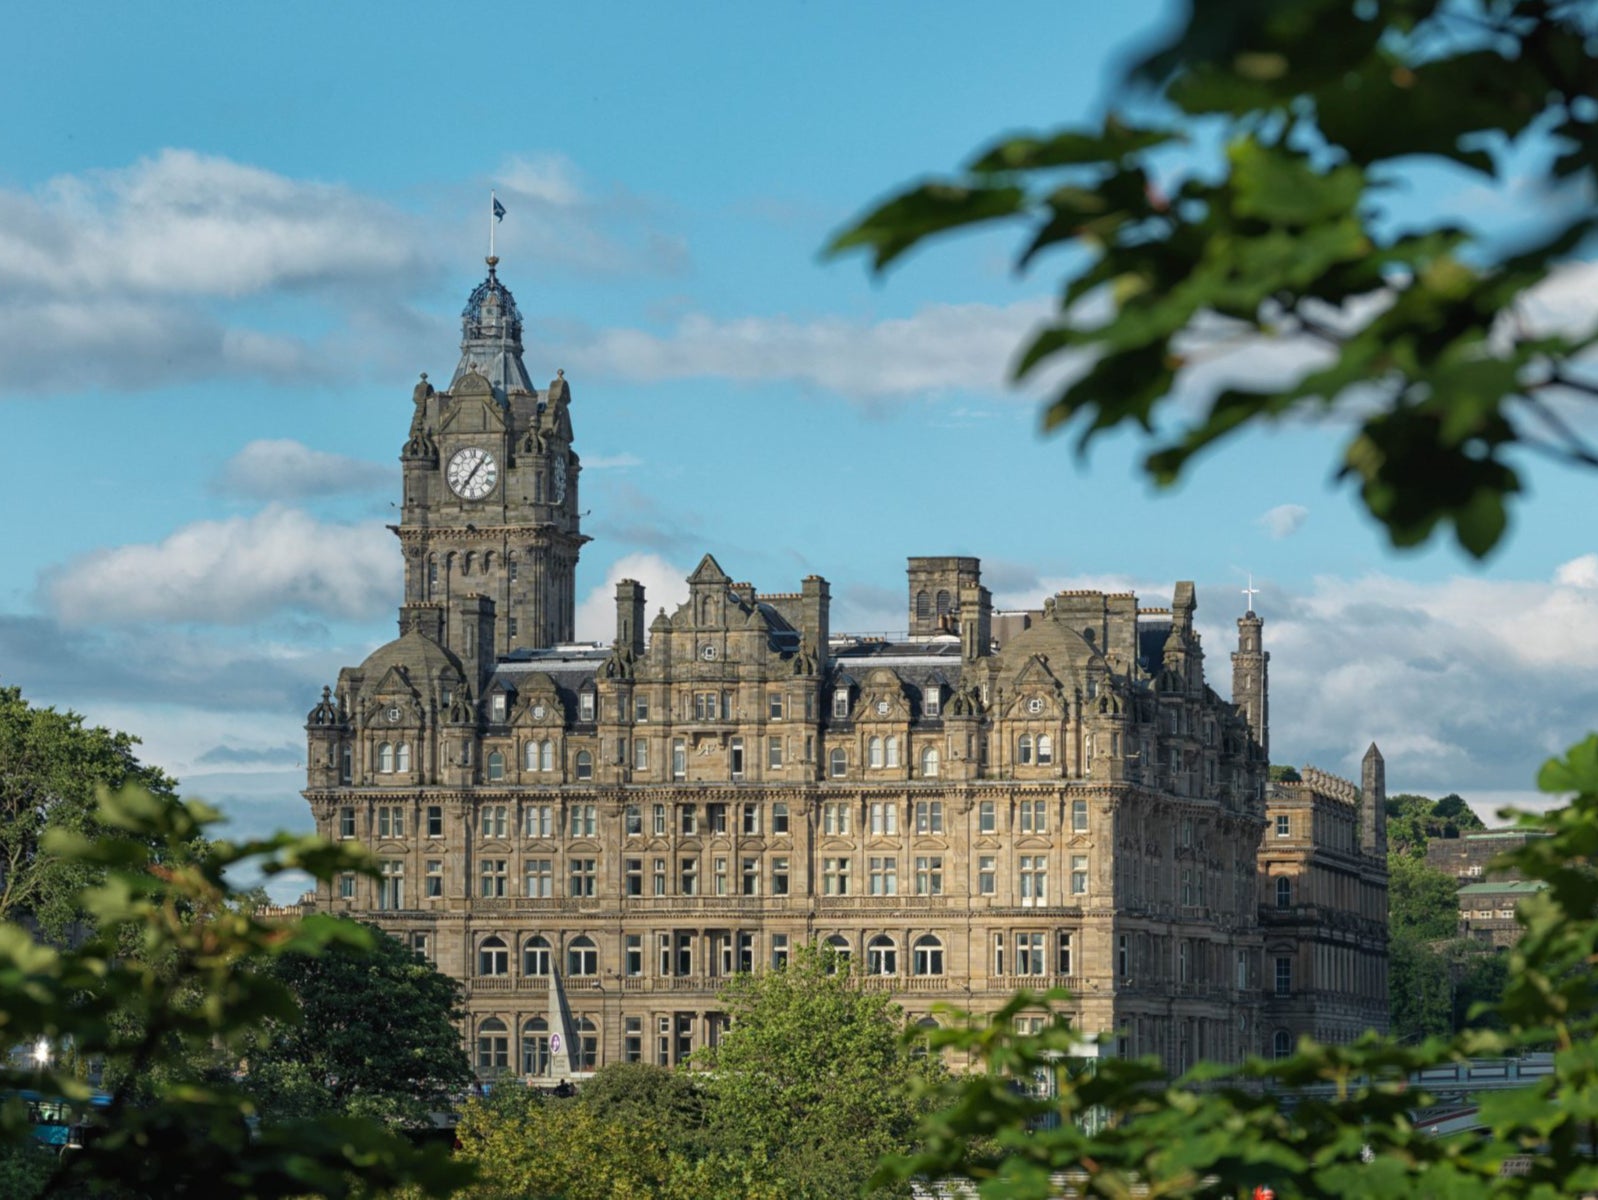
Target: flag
<point x="499" y="210"/>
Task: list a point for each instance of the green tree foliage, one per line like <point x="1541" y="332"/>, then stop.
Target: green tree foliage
<point x="1285" y="774"/>
<point x="627" y="1093"/>
<point x="814" y="1074"/>
<point x="50" y="769"/>
<point x="1422" y="902"/>
<point x="1331" y="1121"/>
<point x="1249" y="200"/>
<point x="169" y="977"/>
<point x="1413" y="820"/>
<point x="528" y="1146"/>
<point x="1420" y="990"/>
<point x="376" y="1035"/>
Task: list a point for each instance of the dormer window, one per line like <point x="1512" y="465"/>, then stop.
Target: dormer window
<point x="840" y="702"/>
<point x="585" y="706"/>
<point x="932" y="700"/>
<point x="497" y="707"/>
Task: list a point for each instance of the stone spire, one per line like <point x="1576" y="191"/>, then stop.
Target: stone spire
<point x="491" y="338"/>
<point x="1251" y="679"/>
<point x="1373" y="804"/>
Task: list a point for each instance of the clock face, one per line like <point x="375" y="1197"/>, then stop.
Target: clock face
<point x="1035" y="705"/>
<point x="472" y="473"/>
<point x="882" y="708"/>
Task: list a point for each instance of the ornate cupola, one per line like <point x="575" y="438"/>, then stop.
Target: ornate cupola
<point x="491" y="338"/>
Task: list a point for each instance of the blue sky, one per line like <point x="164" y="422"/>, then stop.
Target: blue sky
<point x="230" y="237"/>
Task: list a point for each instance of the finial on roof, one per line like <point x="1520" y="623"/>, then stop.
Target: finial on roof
<point x="560" y="372"/>
<point x="1251" y="591"/>
<point x="493" y="261"/>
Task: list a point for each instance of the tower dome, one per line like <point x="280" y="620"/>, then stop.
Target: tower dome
<point x="491" y="338"/>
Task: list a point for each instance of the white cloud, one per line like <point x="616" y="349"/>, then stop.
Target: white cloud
<point x="940" y="348"/>
<point x="665" y="586"/>
<point x="611" y="462"/>
<point x="1284" y="520"/>
<point x="284" y="469"/>
<point x="232" y="572"/>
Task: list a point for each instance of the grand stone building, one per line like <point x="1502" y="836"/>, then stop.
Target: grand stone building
<point x="593" y="838"/>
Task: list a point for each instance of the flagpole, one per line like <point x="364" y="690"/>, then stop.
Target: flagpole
<point x="491" y="201"/>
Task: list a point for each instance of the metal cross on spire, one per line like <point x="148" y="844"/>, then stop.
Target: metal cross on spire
<point x="1251" y="591"/>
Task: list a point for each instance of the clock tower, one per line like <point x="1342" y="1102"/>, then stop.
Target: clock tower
<point x="490" y="502"/>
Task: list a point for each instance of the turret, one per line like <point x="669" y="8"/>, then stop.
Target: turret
<point x="1373" y="804"/>
<point x="1250" y="680"/>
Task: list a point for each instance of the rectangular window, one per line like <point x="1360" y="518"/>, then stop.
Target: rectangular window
<point x="774" y="706"/>
<point x="346" y="822"/>
<point x="929" y="816"/>
<point x="495" y="819"/>
<point x="685" y="954"/>
<point x="689" y="877"/>
<point x="640" y="708"/>
<point x="390" y="821"/>
<point x="658" y="887"/>
<point x="1062" y="953"/>
<point x="998" y="954"/>
<point x="1284" y="976"/>
<point x="632" y="1047"/>
<point x="391" y="889"/>
<point x="422" y="945"/>
<point x="751" y="820"/>
<point x="1123" y="956"/>
<point x="1284" y="825"/>
<point x="640" y="754"/>
<point x="884" y="876"/>
<point x="583" y="820"/>
<point x="929" y="875"/>
<point x="840" y="703"/>
<point x="779" y="951"/>
<point x="1079" y="816"/>
<point x="435" y="877"/>
<point x="540" y="878"/>
<point x="659" y="820"/>
<point x="779" y="876"/>
<point x="932" y="700"/>
<point x="679" y="758"/>
<point x="633" y="956"/>
<point x="835" y="876"/>
<point x="493" y="877"/>
<point x="750" y="883"/>
<point x="779" y="819"/>
<point x="716" y="818"/>
<point x="346" y="886"/>
<point x="835" y="818"/>
<point x="538" y="821"/>
<point x="435" y="820"/>
<point x="633" y="821"/>
<point x="987" y="818"/>
<point x="1079" y="874"/>
<point x="1029" y="954"/>
<point x="1034" y="873"/>
<point x="735" y="756"/>
<point x="688" y="820"/>
<point x="774" y="753"/>
<point x="583" y="877"/>
<point x="987" y="875"/>
<point x="719" y="877"/>
<point x="635" y="877"/>
<point x="585" y="706"/>
<point x="663" y="1041"/>
<point x="496" y="705"/>
<point x="1034" y="816"/>
<point x="884" y="819"/>
<point x="1241" y="979"/>
<point x="810" y="748"/>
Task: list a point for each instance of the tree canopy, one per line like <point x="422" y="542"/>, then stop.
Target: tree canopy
<point x="1244" y="195"/>
<point x="51" y="768"/>
<point x="376" y="1035"/>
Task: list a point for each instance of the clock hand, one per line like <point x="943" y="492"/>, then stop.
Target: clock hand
<point x="468" y="481"/>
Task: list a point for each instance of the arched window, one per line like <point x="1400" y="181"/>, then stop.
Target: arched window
<point x="929" y="763"/>
<point x="585" y="765"/>
<point x="582" y="957"/>
<point x="1284" y="892"/>
<point x="346" y="764"/>
<point x="535" y="956"/>
<point x="493" y="957"/>
<point x="926" y="1025"/>
<point x="839" y="945"/>
<point x="1045" y="749"/>
<point x="531" y="756"/>
<point x="943" y="604"/>
<point x="882" y="956"/>
<point x="838" y="763"/>
<point x="496" y="766"/>
<point x="893" y="751"/>
<point x="1023" y="749"/>
<point x="402" y="757"/>
<point x="385" y="758"/>
<point x="923" y="606"/>
<point x="1282" y="1044"/>
<point x="535" y="1047"/>
<point x="493" y="1046"/>
<point x="875" y="749"/>
<point x="928" y="955"/>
